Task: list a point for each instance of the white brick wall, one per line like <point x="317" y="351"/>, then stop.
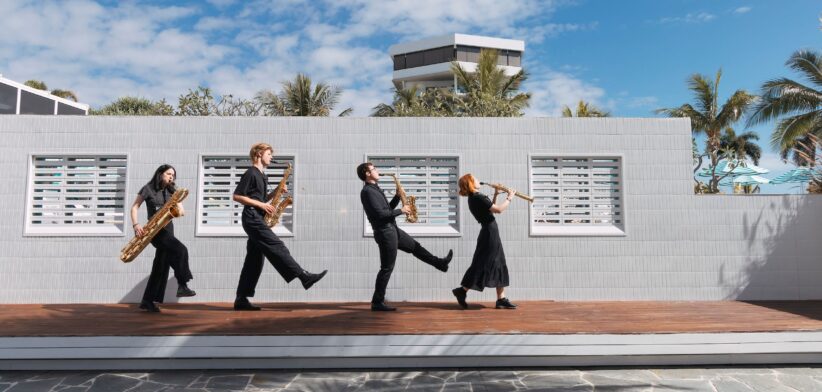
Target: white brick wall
<point x="678" y="246"/>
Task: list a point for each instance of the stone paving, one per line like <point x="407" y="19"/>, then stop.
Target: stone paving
<point x="662" y="379"/>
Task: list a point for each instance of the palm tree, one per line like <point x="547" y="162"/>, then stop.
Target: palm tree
<point x="585" y="109"/>
<point x="741" y="146"/>
<point x="40" y="85"/>
<point x="489" y="92"/>
<point x="798" y="106"/>
<point x="411" y="102"/>
<point x="709" y="117"/>
<point x="300" y="98"/>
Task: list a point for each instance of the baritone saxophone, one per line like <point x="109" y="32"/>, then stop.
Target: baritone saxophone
<point x="157" y="222"/>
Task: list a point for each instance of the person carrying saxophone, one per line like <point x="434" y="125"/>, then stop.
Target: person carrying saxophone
<point x="262" y="242"/>
<point x="170" y="251"/>
<point x="389" y="237"/>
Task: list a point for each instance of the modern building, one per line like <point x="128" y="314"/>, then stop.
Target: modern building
<point x="427" y="63"/>
<point x="17" y="98"/>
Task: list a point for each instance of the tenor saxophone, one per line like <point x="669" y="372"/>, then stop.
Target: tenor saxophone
<point x="272" y="219"/>
<point x="157" y="222"/>
<point x="503" y="188"/>
<point x="410" y="201"/>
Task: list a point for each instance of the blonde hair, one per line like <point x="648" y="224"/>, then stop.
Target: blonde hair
<point x="467" y="184"/>
<point x="258" y="149"/>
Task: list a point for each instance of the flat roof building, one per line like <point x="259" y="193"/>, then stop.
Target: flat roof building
<point x="17" y="98"/>
<point x="427" y="63"/>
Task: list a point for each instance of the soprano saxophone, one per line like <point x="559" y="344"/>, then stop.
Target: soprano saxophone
<point x="157" y="222"/>
<point x="272" y="219"/>
<point x="503" y="188"/>
<point x="410" y="201"/>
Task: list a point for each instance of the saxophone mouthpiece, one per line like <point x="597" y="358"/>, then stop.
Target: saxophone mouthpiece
<point x="482" y="183"/>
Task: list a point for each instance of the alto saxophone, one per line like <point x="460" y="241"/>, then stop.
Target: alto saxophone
<point x="410" y="201"/>
<point x="272" y="219"/>
<point x="157" y="222"/>
<point x="503" y="188"/>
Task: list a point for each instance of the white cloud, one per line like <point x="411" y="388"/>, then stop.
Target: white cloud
<point x="551" y="90"/>
<point x="212" y="23"/>
<point x="699" y="17"/>
<point x="643" y="102"/>
<point x="106" y="50"/>
<point x="742" y="10"/>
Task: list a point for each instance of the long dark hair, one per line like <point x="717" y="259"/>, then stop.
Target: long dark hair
<point x="157" y="180"/>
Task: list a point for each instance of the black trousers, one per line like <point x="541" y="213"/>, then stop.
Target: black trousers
<point x="262" y="242"/>
<point x="170" y="253"/>
<point x="390" y="238"/>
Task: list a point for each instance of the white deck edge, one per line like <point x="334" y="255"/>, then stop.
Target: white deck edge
<point x="404" y="351"/>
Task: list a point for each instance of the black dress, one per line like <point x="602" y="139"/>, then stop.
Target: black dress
<point x="488" y="268"/>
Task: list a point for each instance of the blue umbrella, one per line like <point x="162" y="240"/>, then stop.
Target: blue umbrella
<point x="800" y="174"/>
<point x="739" y="169"/>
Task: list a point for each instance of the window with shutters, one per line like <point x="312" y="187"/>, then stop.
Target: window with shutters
<point x="219" y="215"/>
<point x="577" y="196"/>
<point x="433" y="181"/>
<point x="76" y="195"/>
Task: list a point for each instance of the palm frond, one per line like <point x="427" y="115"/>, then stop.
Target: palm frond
<point x="808" y="63"/>
<point x="792" y="128"/>
<point x="734" y="108"/>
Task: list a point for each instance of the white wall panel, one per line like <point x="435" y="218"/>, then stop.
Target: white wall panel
<point x="678" y="246"/>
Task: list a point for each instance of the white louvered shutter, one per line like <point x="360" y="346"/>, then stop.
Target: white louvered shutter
<point x="433" y="181"/>
<point x="218" y="214"/>
<point x="76" y="195"/>
<point x="577" y="192"/>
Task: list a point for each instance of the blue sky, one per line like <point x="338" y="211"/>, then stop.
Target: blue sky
<point x="629" y="57"/>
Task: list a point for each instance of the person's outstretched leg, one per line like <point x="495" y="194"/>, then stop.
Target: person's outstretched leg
<point x="410" y="245"/>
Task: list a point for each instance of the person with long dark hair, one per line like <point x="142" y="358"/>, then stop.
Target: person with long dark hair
<point x="170" y="252"/>
<point x="488" y="267"/>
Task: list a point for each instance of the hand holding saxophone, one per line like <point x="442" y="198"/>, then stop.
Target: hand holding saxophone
<point x="406" y="209"/>
<point x="511" y="192"/>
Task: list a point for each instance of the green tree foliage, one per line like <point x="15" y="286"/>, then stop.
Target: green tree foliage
<point x="414" y="103"/>
<point x="41" y="85"/>
<point x="796" y="107"/>
<point x="300" y="98"/>
<point x="708" y="117"/>
<point x="488" y="91"/>
<point x="584" y="109"/>
<point x="134" y="106"/>
<point x="741" y="146"/>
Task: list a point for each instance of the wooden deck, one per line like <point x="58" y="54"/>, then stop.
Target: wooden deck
<point x="537" y="317"/>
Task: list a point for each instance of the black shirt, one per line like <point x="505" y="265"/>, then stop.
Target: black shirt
<point x="377" y="208"/>
<point x="480" y="206"/>
<point x="154" y="199"/>
<point x="253" y="184"/>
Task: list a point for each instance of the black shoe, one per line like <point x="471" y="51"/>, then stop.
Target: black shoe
<point x="243" y="304"/>
<point x="460" y="293"/>
<point x="382" y="307"/>
<point x="504" y="303"/>
<point x="184" y="291"/>
<point x="444" y="261"/>
<point x="149" y="306"/>
<point x="308" y="279"/>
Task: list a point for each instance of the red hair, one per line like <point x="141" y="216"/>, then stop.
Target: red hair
<point x="467" y="184"/>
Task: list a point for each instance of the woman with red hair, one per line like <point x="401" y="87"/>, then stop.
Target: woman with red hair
<point x="488" y="268"/>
